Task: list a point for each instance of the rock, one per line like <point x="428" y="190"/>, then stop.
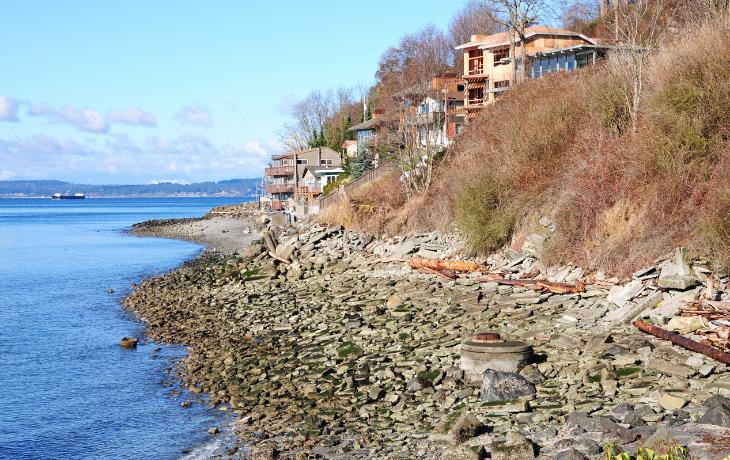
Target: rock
<point x="459" y="453"/>
<point x="394" y="301"/>
<point x="630" y="310"/>
<point x="717" y="413"/>
<point x="602" y="424"/>
<point x="264" y="451"/>
<point x="706" y="369"/>
<point x="514" y="447"/>
<point x="532" y="373"/>
<point x="213" y="430"/>
<point x="670" y="402"/>
<point x="677" y="274"/>
<point x="457" y="428"/>
<point x="570" y="454"/>
<point x="504" y="386"/>
<point x="110" y="291"/>
<point x="669" y="368"/>
<point x="588" y="447"/>
<point x="375" y="393"/>
<point x="128" y="342"/>
<point x="687" y="324"/>
<point x="619" y="295"/>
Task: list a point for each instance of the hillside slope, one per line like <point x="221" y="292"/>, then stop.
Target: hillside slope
<point x="562" y="148"/>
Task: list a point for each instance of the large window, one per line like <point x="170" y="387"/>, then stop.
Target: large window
<point x="499" y="54"/>
<point x="476" y="62"/>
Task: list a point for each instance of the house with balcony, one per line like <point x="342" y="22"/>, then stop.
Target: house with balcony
<point x="284" y="180"/>
<point x="489" y="65"/>
<point x="435" y="109"/>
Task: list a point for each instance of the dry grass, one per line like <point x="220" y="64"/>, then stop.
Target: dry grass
<point x="371" y="208"/>
<point x="560" y="145"/>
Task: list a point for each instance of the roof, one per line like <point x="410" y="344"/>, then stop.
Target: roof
<point x="502" y="38"/>
<point x="303" y="152"/>
<point x="569" y="48"/>
<point x="365" y="125"/>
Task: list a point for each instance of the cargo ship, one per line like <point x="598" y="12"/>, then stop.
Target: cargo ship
<point x="68" y="196"/>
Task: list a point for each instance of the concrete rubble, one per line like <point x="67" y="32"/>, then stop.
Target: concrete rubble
<point x="346" y="352"/>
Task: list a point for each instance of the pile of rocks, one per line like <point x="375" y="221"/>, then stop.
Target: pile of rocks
<point x="335" y="346"/>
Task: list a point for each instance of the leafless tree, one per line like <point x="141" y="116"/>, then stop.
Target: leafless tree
<point x="416" y="59"/>
<point x="474" y="18"/>
<point x="637" y="29"/>
<point x="577" y="16"/>
<point x="516" y="16"/>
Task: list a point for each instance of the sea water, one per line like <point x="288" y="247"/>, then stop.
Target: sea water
<point x="67" y="389"/>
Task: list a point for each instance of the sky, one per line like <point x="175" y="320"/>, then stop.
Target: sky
<point x="184" y="91"/>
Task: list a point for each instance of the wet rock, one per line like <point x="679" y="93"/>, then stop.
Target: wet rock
<point x="504" y="386"/>
<point x="128" y="342"/>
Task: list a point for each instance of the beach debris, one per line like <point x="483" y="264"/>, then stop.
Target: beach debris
<point x="453" y="265"/>
<point x="128" y="342"/>
<point x="683" y="342"/>
<point x="110" y="291"/>
<point x="538" y="285"/>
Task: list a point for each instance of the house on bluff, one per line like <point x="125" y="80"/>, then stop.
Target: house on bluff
<point x="489" y="68"/>
<point x="294" y="181"/>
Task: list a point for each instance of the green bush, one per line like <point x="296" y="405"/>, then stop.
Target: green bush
<point x="483" y="213"/>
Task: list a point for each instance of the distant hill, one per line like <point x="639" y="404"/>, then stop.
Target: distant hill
<point x="41" y="188"/>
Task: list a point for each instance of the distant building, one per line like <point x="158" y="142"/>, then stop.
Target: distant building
<point x="435" y="109"/>
<point x="488" y="66"/>
<point x="294" y="181"/>
<point x="366" y="134"/>
<point x="349" y="148"/>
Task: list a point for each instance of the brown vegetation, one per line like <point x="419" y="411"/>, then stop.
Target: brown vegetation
<point x="562" y="146"/>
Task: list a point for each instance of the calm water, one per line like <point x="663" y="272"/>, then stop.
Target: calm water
<point x="67" y="390"/>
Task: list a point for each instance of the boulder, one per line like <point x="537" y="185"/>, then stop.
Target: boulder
<point x="457" y="428"/>
<point x="504" y="386"/>
<point x="718" y="412"/>
<point x="687" y="324"/>
<point x="128" y="342"/>
<point x="677" y="274"/>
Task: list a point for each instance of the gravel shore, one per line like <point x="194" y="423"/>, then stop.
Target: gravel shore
<point x="330" y="346"/>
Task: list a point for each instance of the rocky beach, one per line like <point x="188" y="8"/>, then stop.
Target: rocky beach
<point x="334" y="344"/>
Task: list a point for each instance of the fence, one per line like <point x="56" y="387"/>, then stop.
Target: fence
<point x="335" y="197"/>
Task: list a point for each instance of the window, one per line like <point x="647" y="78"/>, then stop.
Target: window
<point x="476" y="62"/>
<point x="499" y="54"/>
<point x="324" y="161"/>
<point x="302" y="161"/>
<point x="459" y="88"/>
<point x="501" y="84"/>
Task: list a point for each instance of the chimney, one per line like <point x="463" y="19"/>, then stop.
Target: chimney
<point x="319" y="157"/>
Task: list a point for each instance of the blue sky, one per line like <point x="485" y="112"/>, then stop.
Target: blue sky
<point x="141" y="91"/>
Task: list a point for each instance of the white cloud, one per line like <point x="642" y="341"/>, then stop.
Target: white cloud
<point x="84" y="119"/>
<point x="190" y="157"/>
<point x="193" y="115"/>
<point x="91" y="120"/>
<point x="132" y="116"/>
<point x="8" y="109"/>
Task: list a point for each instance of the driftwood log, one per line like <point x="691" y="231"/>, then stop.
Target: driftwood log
<point x="453" y="265"/>
<point x="683" y="341"/>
